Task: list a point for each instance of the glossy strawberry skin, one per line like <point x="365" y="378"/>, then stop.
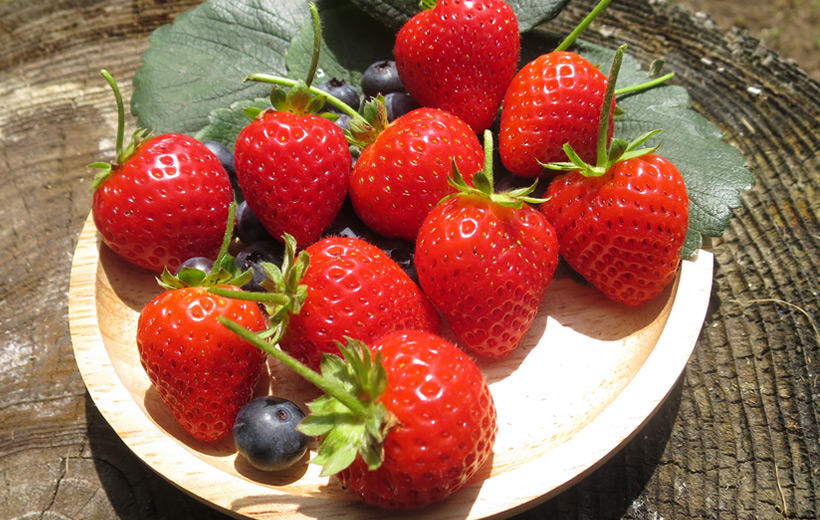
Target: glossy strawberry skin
<point x="166" y="203"/>
<point x="460" y="56"/>
<point x="623" y="232"/>
<point x="293" y="171"/>
<point x="486" y="268"/>
<point x="353" y="289"/>
<point x="555" y="99"/>
<point x="203" y="372"/>
<point x="399" y="177"/>
<point x="446" y="423"/>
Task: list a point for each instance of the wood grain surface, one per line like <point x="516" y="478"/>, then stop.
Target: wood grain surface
<point x="738" y="438"/>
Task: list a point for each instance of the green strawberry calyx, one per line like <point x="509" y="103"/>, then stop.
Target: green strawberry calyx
<point x="224" y="270"/>
<point x="123" y="152"/>
<point x="619" y="149"/>
<point x="349" y="416"/>
<point x="284" y="293"/>
<point x="482" y="183"/>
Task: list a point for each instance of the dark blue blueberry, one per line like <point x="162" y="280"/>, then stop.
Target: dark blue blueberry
<point x="197" y="262"/>
<point x="341" y="89"/>
<point x="343" y="121"/>
<point x="265" y="433"/>
<point x="252" y="256"/>
<point x="398" y="104"/>
<point x="223" y="154"/>
<point x="248" y="227"/>
<point x="381" y="77"/>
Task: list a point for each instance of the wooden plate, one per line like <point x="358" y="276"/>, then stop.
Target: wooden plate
<point x="586" y="377"/>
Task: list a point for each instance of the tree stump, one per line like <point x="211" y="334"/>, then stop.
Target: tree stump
<point x="738" y="437"/>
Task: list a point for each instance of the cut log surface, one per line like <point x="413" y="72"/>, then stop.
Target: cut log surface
<point x="738" y="436"/>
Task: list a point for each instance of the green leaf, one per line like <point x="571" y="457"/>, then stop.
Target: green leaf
<point x="224" y="124"/>
<point x="197" y="64"/>
<point x="714" y="170"/>
<point x="393" y="13"/>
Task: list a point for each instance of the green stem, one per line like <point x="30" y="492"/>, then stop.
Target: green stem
<point x="644" y="86"/>
<point x="120" y="114"/>
<point x="330" y="388"/>
<point x="287" y="82"/>
<point x="226" y="237"/>
<point x="317" y="43"/>
<point x="488" y="155"/>
<point x="609" y="96"/>
<point x="425" y="5"/>
<point x="570" y="39"/>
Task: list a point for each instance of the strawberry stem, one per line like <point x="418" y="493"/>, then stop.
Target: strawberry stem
<point x="328" y="387"/>
<point x="287" y="82"/>
<point x="226" y="237"/>
<point x="120" y="113"/>
<point x="571" y="37"/>
<point x="644" y="86"/>
<point x="317" y="43"/>
<point x="425" y="5"/>
<point x="609" y="96"/>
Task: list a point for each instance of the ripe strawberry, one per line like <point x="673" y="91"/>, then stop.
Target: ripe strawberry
<point x="485" y="260"/>
<point x="460" y="56"/>
<point x="202" y="371"/>
<point x="622" y="222"/>
<point x="164" y="200"/>
<point x="445" y="423"/>
<point x="403" y="172"/>
<point x="405" y="423"/>
<point x="352" y="289"/>
<point x="293" y="167"/>
<point x="553" y="100"/>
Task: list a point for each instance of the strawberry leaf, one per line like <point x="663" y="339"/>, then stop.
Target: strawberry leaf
<point x="198" y="63"/>
<point x="393" y="13"/>
<point x="714" y="170"/>
<point x="224" y="124"/>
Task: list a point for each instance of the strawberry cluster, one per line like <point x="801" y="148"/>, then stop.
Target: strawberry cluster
<point x="408" y="417"/>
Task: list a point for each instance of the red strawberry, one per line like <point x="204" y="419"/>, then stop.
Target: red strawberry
<point x="622" y="222"/>
<point x="293" y="168"/>
<point x="405" y="423"/>
<point x="202" y="371"/>
<point x="485" y="260"/>
<point x="403" y="173"/>
<point x="445" y="423"/>
<point x="553" y="100"/>
<point x="352" y="289"/>
<point x="164" y="201"/>
<point x="460" y="56"/>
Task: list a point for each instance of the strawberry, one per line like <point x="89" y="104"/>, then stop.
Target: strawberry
<point x="460" y="56"/>
<point x="622" y="222"/>
<point x="202" y="372"/>
<point x="403" y="172"/>
<point x="485" y="260"/>
<point x="404" y="423"/>
<point x="553" y="100"/>
<point x="293" y="166"/>
<point x="165" y="199"/>
<point x="350" y="288"/>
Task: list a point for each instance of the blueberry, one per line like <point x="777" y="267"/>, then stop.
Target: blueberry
<point x="381" y="77"/>
<point x="398" y="104"/>
<point x="251" y="257"/>
<point x="265" y="433"/>
<point x="341" y="89"/>
<point x="223" y="154"/>
<point x="343" y="121"/>
<point x="248" y="227"/>
<point x="197" y="262"/>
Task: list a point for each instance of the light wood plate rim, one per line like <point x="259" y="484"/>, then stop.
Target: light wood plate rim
<point x="500" y="495"/>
